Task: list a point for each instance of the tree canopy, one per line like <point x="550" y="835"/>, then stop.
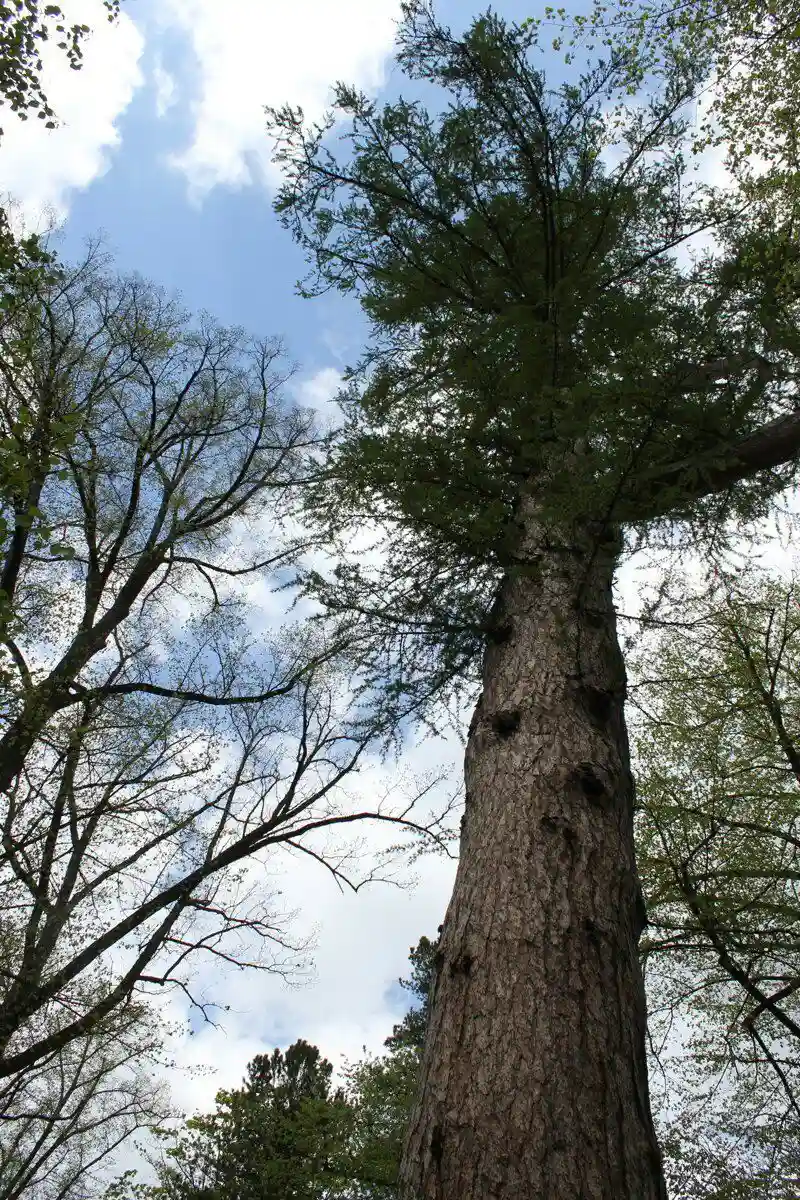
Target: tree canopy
<point x="715" y="724"/>
<point x="275" y="1138"/>
<point x="535" y="330"/>
<point x="146" y="751"/>
<point x="574" y="340"/>
<point x="576" y="344"/>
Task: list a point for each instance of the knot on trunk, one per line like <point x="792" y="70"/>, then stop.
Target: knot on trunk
<point x="593" y="783"/>
<point x="639" y="912"/>
<point x="595" y="618"/>
<point x="506" y="723"/>
<point x="500" y="632"/>
<point x="594" y="933"/>
<point x="555" y="823"/>
<point x="598" y="703"/>
<point x="462" y="965"/>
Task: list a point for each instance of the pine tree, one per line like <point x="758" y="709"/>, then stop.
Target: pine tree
<point x="277" y="1137"/>
<point x="288" y="1133"/>
<point x="381" y="1090"/>
<point x="545" y="373"/>
<point x="410" y="1032"/>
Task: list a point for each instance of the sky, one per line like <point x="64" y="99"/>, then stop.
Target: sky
<point x="162" y="149"/>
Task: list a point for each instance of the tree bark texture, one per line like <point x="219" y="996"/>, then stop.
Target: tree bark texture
<point x="534" y="1077"/>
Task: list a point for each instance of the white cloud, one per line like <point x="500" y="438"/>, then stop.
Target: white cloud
<point x="319" y="391"/>
<point x="361" y="948"/>
<point x="40" y="167"/>
<point x="251" y="53"/>
<point x="166" y="89"/>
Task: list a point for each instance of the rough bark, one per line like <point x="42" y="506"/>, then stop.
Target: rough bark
<point x="534" y="1079"/>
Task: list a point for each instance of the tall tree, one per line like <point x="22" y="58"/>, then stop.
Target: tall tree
<point x="544" y="373"/>
<point x="153" y="744"/>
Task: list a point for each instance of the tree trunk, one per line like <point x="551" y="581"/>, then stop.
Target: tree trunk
<point x="534" y="1078"/>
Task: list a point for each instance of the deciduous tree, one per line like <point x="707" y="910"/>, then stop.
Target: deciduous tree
<point x="153" y="743"/>
<point x="718" y="783"/>
<point x="25" y="26"/>
<point x="64" y="1120"/>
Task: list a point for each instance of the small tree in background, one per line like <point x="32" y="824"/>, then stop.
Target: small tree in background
<point x="288" y="1133"/>
<point x="278" y="1137"/>
<point x="382" y="1089"/>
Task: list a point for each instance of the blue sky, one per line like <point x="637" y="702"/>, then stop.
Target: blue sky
<point x="221" y="245"/>
<point x="162" y="148"/>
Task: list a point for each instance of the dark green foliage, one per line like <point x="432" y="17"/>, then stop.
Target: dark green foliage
<point x="534" y="331"/>
<point x="410" y="1033"/>
<point x="275" y="1138"/>
<point x="286" y="1080"/>
<point x="287" y="1133"/>
<point x="382" y="1090"/>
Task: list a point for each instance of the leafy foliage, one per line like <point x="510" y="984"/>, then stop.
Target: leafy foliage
<point x="747" y="114"/>
<point x="382" y="1089"/>
<point x="24" y="26"/>
<point x="750" y="53"/>
<point x="151" y="742"/>
<point x="271" y="1139"/>
<point x="410" y="1033"/>
<point x="719" y="788"/>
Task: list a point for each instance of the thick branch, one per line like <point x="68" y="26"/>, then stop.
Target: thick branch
<point x="773" y="445"/>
